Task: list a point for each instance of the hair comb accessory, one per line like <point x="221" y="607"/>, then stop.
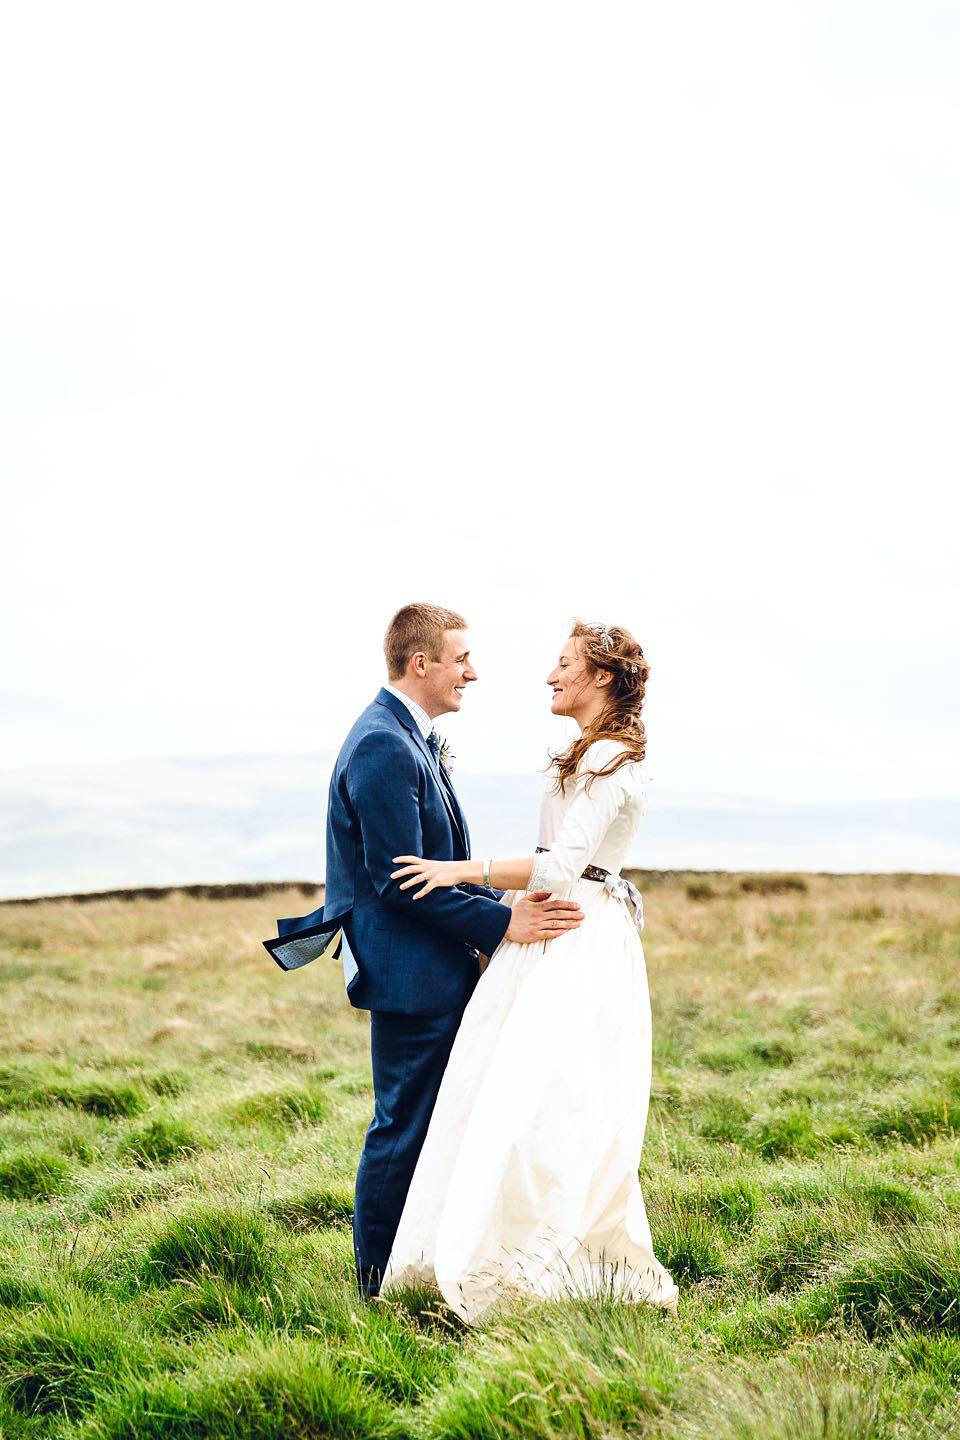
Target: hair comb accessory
<point x="604" y="636"/>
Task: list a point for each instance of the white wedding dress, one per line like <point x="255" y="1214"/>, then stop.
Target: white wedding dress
<point x="527" y="1181"/>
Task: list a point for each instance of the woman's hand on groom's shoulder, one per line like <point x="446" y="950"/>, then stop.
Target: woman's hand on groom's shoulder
<point x="538" y="917"/>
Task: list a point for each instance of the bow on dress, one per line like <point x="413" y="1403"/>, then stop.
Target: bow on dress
<point x="624" y="890"/>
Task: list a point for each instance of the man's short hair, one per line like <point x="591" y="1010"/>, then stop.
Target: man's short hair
<point x="417" y="627"/>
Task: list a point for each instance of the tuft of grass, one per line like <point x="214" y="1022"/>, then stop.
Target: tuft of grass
<point x="294" y="1105"/>
<point x="402" y="1348"/>
<point x="700" y="890"/>
<point x="212" y="1240"/>
<point x="772" y="1051"/>
<point x="818" y="1397"/>
<point x="20" y="1290"/>
<point x="688" y="1242"/>
<point x="13" y="1086"/>
<point x="909" y="1279"/>
<point x="284" y="1051"/>
<point x="188" y="1308"/>
<point x="802" y="1190"/>
<point x="118" y="1195"/>
<point x="112" y="1101"/>
<point x="773" y="884"/>
<point x="891" y="1201"/>
<point x="577" y="1368"/>
<point x="794" y="1254"/>
<point x="33" y="1175"/>
<point x="66" y="1357"/>
<point x="159" y="1142"/>
<point x="916" y="1119"/>
<point x="724" y="1056"/>
<point x="934" y="1355"/>
<point x="789" y="1131"/>
<point x="315" y="1209"/>
<point x="726" y="1119"/>
<point x="14" y="1425"/>
<point x="733" y="1204"/>
<point x="169" y="1083"/>
<point x="283" y="1389"/>
<point x="768" y="1325"/>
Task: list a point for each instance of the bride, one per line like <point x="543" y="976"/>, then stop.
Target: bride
<point x="527" y="1181"/>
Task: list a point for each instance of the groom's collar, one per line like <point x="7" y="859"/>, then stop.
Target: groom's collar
<point x="420" y="717"/>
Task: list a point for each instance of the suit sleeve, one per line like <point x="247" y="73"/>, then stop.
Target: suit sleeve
<point x="383" y="784"/>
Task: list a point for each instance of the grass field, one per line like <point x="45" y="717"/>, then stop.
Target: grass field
<point x="180" y="1124"/>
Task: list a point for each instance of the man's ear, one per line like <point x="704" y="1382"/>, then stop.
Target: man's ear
<point x="419" y="663"/>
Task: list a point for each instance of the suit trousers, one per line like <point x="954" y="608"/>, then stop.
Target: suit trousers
<point x="409" y="1055"/>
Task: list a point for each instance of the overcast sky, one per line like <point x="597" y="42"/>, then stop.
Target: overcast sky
<point x="647" y="313"/>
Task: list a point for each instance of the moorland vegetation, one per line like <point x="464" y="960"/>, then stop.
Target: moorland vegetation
<point x="180" y="1124"/>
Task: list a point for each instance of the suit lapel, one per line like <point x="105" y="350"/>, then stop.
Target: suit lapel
<point x="461" y="818"/>
<point x="446" y="790"/>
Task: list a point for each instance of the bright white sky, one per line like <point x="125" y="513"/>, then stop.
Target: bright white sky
<point x="648" y="313"/>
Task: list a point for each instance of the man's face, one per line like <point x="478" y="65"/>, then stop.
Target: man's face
<point x="446" y="679"/>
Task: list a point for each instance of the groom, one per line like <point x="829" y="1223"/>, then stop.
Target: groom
<point x="416" y="963"/>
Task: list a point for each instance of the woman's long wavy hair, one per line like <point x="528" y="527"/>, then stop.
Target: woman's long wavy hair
<point x="609" y="648"/>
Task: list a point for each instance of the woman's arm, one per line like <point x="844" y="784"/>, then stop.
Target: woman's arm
<point x="592" y="810"/>
<point x="501" y="874"/>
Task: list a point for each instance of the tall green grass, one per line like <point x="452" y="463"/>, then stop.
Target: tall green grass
<point x="180" y="1125"/>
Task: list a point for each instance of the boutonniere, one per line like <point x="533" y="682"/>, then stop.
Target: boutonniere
<point x="447" y="757"/>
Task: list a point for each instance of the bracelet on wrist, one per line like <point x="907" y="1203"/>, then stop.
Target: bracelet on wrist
<point x="486" y="872"/>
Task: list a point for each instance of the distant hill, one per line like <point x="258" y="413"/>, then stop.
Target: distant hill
<point x="66" y="829"/>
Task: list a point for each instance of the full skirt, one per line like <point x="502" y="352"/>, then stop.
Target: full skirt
<point x="527" y="1184"/>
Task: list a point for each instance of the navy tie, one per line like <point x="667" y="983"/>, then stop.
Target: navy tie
<point x="433" y="741"/>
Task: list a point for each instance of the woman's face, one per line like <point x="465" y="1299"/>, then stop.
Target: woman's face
<point x="570" y="680"/>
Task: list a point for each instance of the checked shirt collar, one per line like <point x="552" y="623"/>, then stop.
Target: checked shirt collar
<point x="423" y="722"/>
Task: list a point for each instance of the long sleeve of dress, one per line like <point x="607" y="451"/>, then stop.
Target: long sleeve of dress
<point x="592" y="811"/>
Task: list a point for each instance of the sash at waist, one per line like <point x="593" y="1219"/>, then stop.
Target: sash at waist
<point x="618" y="886"/>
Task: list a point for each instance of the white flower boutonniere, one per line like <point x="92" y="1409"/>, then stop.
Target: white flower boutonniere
<point x="447" y="757"/>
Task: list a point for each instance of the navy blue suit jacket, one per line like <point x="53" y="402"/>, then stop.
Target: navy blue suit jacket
<point x="387" y="798"/>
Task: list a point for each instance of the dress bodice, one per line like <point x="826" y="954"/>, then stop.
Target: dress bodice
<point x="589" y="825"/>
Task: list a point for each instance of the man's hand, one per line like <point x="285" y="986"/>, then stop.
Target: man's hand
<point x="537" y="917"/>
